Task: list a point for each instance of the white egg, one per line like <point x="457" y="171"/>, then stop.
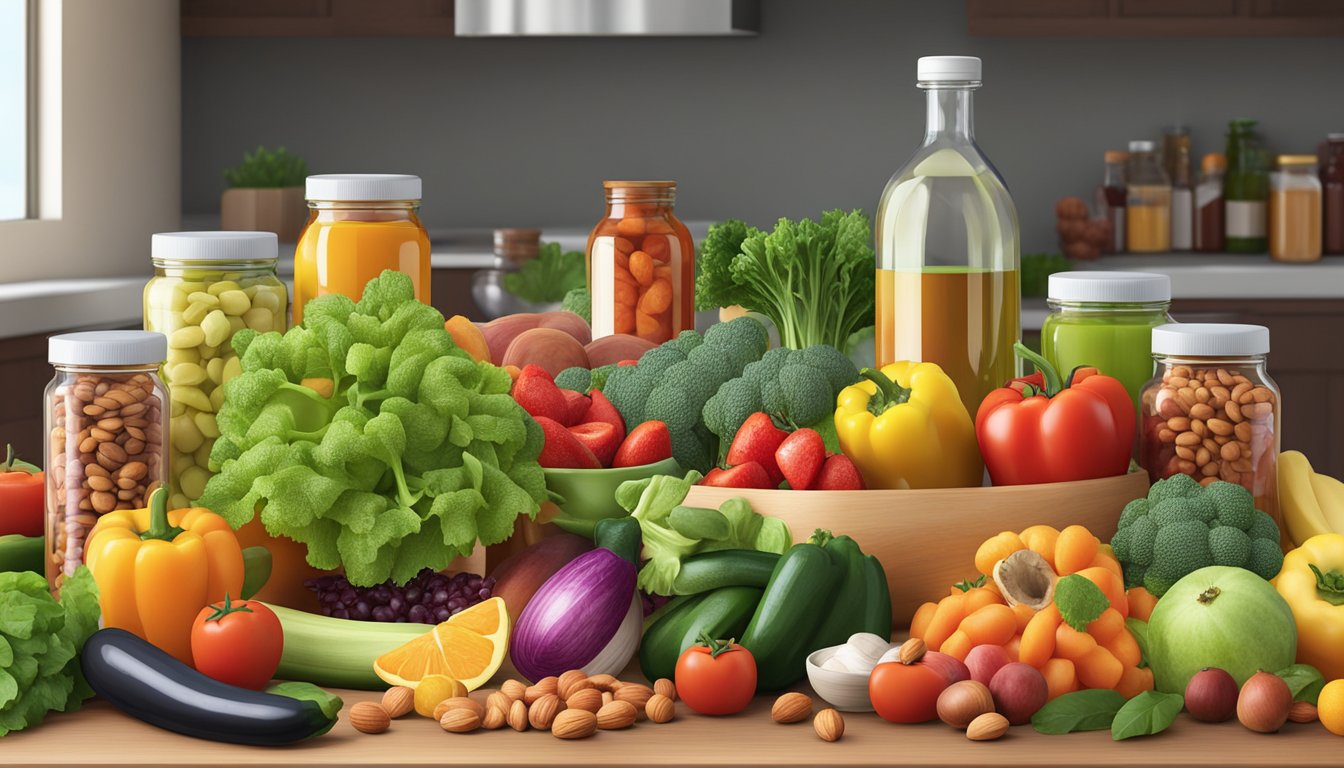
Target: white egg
<point x="869" y="644"/>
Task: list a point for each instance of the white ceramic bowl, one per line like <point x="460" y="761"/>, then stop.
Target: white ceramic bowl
<point x="846" y="691"/>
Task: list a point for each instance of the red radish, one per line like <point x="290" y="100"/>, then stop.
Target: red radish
<point x="800" y="458"/>
<point x="601" y="409"/>
<point x="600" y="437"/>
<point x="839" y="474"/>
<point x="576" y="407"/>
<point x="562" y="450"/>
<point x="748" y="475"/>
<point x="647" y="443"/>
<point x="757" y="440"/>
<point x="984" y="660"/>
<point x="536" y="392"/>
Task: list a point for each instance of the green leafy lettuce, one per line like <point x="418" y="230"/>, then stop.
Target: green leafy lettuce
<point x="417" y="453"/>
<point x="548" y="277"/>
<point x="40" y="640"/>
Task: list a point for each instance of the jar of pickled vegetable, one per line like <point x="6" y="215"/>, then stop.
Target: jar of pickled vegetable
<point x="207" y="286"/>
<point x="641" y="264"/>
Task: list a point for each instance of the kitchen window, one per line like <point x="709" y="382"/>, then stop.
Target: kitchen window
<point x="15" y="82"/>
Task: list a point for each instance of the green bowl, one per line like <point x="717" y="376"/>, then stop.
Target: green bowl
<point x="590" y="494"/>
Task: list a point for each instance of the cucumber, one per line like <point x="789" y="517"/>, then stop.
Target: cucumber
<point x="792" y="609"/>
<point x="338" y="653"/>
<point x="723" y="614"/>
<point x="724" y="568"/>
<point x="22" y="553"/>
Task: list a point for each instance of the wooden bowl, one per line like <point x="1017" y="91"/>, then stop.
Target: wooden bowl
<point x="927" y="539"/>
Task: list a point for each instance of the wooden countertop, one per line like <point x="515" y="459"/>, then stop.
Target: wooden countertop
<point x="100" y="736"/>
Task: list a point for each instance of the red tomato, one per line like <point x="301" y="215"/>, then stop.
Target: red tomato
<point x="904" y="693"/>
<point x="716" y="678"/>
<point x="21" y="486"/>
<point x="237" y="643"/>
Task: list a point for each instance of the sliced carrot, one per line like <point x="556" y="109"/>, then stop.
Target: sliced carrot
<point x="1109" y="624"/>
<point x="1024" y="615"/>
<point x="995" y="549"/>
<point x="1041" y="540"/>
<point x="641" y="266"/>
<point x="951" y="610"/>
<point x="991" y="625"/>
<point x="1125" y="648"/>
<point x="1072" y="644"/>
<point x="1135" y="681"/>
<point x="957" y="645"/>
<point x="1060" y="677"/>
<point x="979" y="597"/>
<point x="1074" y="549"/>
<point x="631" y="227"/>
<point x="1038" y="638"/>
<point x="1013" y="648"/>
<point x="919" y="623"/>
<point x="657" y="298"/>
<point x="1141" y="603"/>
<point x="1111" y="585"/>
<point x="1099" y="669"/>
<point x="1105" y="559"/>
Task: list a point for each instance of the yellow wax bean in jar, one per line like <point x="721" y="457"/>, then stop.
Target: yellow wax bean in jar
<point x="186" y="437"/>
<point x="187" y="355"/>
<point x="207" y="351"/>
<point x="232" y="367"/>
<point x="192" y="482"/>
<point x="234" y="303"/>
<point x="259" y="319"/>
<point x="189" y="374"/>
<point x="190" y="336"/>
<point x="205" y="422"/>
<point x="202" y="297"/>
<point x="214" y="370"/>
<point x="269" y="299"/>
<point x="201" y="457"/>
<point x="216" y="328"/>
<point x="250" y="291"/>
<point x="195" y="312"/>
<point x="217" y="398"/>
<point x="224" y="285"/>
<point x="192" y="397"/>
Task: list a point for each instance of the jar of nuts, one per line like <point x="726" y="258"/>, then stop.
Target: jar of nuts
<point x="1212" y="411"/>
<point x="106" y="418"/>
<point x="207" y="286"/>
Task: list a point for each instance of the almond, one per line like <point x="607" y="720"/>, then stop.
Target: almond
<point x="495" y="718"/>
<point x="912" y="650"/>
<point x="574" y="724"/>
<point x="1302" y="712"/>
<point x="829" y="725"/>
<point x="546" y="685"/>
<point x="571" y="681"/>
<point x="585" y="698"/>
<point x="665" y="687"/>
<point x="459" y="702"/>
<point x="543" y="711"/>
<point x="634" y="693"/>
<point x="398" y="701"/>
<point x="987" y="727"/>
<point x="513" y="689"/>
<point x="499" y="700"/>
<point x="660" y="709"/>
<point x="791" y="708"/>
<point x="616" y="715"/>
<point x="517" y="718"/>
<point x="461" y="720"/>
<point x="608" y="697"/>
<point x="603" y="682"/>
<point x="369" y="717"/>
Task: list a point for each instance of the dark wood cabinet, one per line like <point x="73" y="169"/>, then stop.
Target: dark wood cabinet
<point x="1155" y="18"/>
<point x="317" y="18"/>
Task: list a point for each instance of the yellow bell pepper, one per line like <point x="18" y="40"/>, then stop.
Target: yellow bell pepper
<point x="157" y="569"/>
<point x="906" y="427"/>
<point x="1312" y="582"/>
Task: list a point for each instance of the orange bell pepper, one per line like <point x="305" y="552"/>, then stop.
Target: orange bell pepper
<point x="156" y="569"/>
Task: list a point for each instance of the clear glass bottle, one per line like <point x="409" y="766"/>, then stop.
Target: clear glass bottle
<point x="1212" y="411"/>
<point x="1209" y="227"/>
<point x="1176" y="159"/>
<point x="1295" y="210"/>
<point x="207" y="286"/>
<point x="1332" y="182"/>
<point x="1110" y="198"/>
<point x="106" y="418"/>
<point x="641" y="264"/>
<point x="948" y="262"/>
<point x="1148" y="207"/>
<point x="1245" y="189"/>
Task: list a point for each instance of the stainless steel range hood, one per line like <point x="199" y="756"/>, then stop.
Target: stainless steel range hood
<point x="588" y="18"/>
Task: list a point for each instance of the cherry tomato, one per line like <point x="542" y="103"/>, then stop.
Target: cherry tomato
<point x="716" y="678"/>
<point x="907" y="693"/>
<point x="238" y="643"/>
<point x="21" y="486"/>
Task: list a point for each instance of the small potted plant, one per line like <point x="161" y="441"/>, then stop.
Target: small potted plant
<point x="266" y="194"/>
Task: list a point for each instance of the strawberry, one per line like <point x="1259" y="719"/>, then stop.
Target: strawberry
<point x="757" y="440"/>
<point x="626" y="363"/>
<point x="600" y="437"/>
<point x="576" y="406"/>
<point x="536" y="392"/>
<point x="647" y="443"/>
<point x="601" y="409"/>
<point x="800" y="458"/>
<point x="563" y="450"/>
<point x="748" y="475"/>
<point x="839" y="474"/>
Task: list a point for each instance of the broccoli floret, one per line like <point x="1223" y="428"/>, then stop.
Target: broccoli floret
<point x="578" y="301"/>
<point x="576" y="379"/>
<point x="1172" y="533"/>
<point x="599" y="376"/>
<point x="688" y="340"/>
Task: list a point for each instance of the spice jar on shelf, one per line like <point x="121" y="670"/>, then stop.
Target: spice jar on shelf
<point x="1148" y="203"/>
<point x="641" y="264"/>
<point x="106" y="417"/>
<point x="1212" y="411"/>
<point x="207" y="286"/>
<point x="1295" y="210"/>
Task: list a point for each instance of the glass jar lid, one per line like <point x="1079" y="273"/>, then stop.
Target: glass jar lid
<point x="1210" y="340"/>
<point x="220" y="247"/>
<point x="1110" y="287"/>
<point x="362" y="187"/>
<point x="108" y="348"/>
<point x="1141" y="145"/>
<point x="1299" y="161"/>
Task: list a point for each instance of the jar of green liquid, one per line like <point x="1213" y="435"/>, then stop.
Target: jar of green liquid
<point x="1105" y="320"/>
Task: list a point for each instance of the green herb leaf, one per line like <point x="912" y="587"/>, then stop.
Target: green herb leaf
<point x="1149" y="713"/>
<point x="1090" y="710"/>
<point x="1304" y="680"/>
<point x="966" y="585"/>
<point x="328" y="702"/>
<point x="266" y="169"/>
<point x="549" y="277"/>
<point x="1139" y="629"/>
<point x="1080" y="601"/>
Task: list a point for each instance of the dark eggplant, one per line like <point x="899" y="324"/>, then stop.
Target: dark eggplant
<point x="147" y="683"/>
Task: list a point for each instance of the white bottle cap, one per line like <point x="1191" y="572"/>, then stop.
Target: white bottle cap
<point x="1141" y="145"/>
<point x="360" y="187"/>
<point x="108" y="348"/>
<point x="213" y="246"/>
<point x="1210" y="340"/>
<point x="1110" y="287"/>
<point x="948" y="69"/>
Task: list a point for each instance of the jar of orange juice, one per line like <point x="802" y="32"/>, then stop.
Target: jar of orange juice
<point x="359" y="224"/>
<point x="641" y="264"/>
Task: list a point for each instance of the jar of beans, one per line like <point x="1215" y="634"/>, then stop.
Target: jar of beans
<point x="207" y="286"/>
<point x="1212" y="411"/>
<point x="106" y="418"/>
<point x="641" y="264"/>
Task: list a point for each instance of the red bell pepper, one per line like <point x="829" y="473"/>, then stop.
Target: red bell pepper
<point x="1039" y="430"/>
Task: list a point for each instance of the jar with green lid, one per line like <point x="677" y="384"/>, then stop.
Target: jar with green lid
<point x="1105" y="320"/>
<point x="207" y="286"/>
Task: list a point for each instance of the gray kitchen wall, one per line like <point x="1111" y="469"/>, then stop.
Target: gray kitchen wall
<point x="817" y="112"/>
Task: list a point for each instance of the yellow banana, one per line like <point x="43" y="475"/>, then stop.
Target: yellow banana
<point x="1302" y="514"/>
<point x="1329" y="494"/>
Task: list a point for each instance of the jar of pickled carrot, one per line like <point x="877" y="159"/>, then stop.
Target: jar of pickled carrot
<point x="359" y="224"/>
<point x="641" y="264"/>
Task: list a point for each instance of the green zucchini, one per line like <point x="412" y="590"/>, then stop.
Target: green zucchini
<point x="724" y="568"/>
<point x="699" y="523"/>
<point x="845" y="615"/>
<point x="620" y="535"/>
<point x="876" y="599"/>
<point x="22" y="553"/>
<point x="723" y="613"/>
<point x="338" y="653"/>
<point x="792" y="608"/>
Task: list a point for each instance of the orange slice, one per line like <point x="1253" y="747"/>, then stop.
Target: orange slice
<point x="469" y="648"/>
